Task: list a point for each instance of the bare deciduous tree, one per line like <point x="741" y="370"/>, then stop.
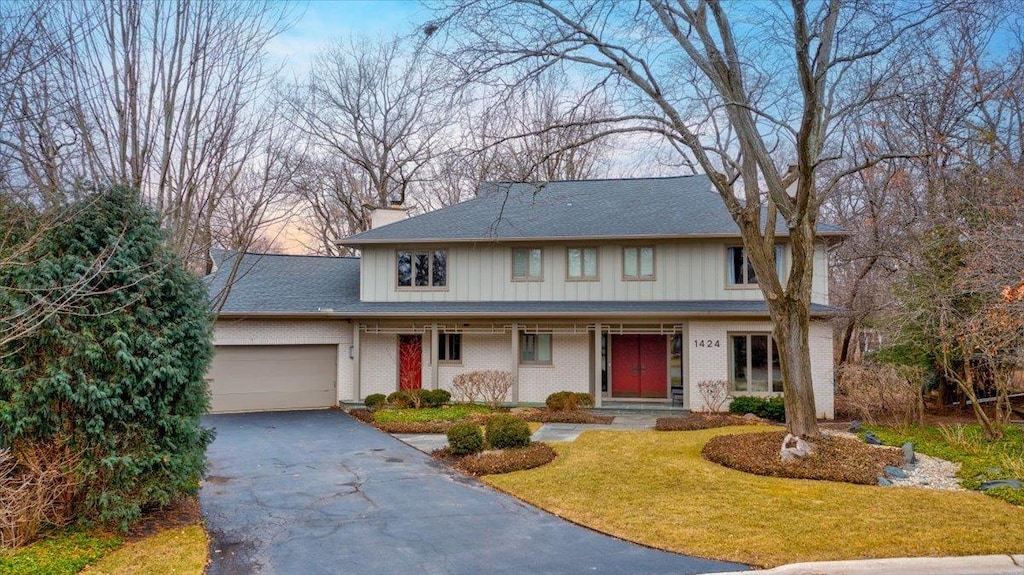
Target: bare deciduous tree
<point x="736" y="90"/>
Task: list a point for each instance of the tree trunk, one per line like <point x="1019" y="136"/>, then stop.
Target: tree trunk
<point x="792" y="324"/>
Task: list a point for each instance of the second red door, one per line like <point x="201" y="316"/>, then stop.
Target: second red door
<point x="639" y="366"/>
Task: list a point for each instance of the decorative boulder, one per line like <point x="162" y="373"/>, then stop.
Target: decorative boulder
<point x="883" y="482"/>
<point x="751" y="418"/>
<point x="794" y="448"/>
<point x="908" y="453"/>
<point x="895" y="472"/>
<point x="872" y="439"/>
<point x="855" y="426"/>
<point x="985" y="486"/>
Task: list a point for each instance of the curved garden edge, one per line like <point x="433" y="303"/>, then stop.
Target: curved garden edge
<point x="655" y="489"/>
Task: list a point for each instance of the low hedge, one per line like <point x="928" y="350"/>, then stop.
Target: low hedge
<point x="773" y="408"/>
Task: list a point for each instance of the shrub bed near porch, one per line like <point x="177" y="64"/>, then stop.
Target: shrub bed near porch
<point x="696" y="421"/>
<point x="834" y="458"/>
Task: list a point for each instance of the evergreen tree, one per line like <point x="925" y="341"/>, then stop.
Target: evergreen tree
<point x="118" y="369"/>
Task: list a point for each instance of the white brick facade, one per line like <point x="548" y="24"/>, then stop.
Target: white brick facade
<point x="294" y="332"/>
<point x="711" y="362"/>
<point x="479" y="352"/>
<point x="569" y="370"/>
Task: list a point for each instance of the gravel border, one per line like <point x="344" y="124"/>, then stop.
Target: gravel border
<point x="929" y="472"/>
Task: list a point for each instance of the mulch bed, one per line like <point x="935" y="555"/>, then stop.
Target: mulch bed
<point x="498" y="461"/>
<point x="695" y="421"/>
<point x="414" y="426"/>
<point x="834" y="458"/>
<point x="180" y="513"/>
<point x="578" y="416"/>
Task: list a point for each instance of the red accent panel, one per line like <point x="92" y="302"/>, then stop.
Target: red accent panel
<point x="410" y="361"/>
<point x="653" y="366"/>
<point x="625" y="366"/>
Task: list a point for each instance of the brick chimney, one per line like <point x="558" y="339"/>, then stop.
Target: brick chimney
<point x="389" y="215"/>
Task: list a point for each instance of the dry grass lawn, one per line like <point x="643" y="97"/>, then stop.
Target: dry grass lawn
<point x="176" y="551"/>
<point x="654" y="488"/>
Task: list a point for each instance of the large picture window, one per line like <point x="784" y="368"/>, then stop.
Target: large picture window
<point x="449" y="347"/>
<point x="754" y="365"/>
<point x="582" y="263"/>
<point x="741" y="272"/>
<point x="638" y="262"/>
<point x="535" y="348"/>
<point x="526" y="264"/>
<point x="422" y="269"/>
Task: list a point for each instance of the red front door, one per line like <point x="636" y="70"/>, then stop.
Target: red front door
<point x="639" y="366"/>
<point x="410" y="361"/>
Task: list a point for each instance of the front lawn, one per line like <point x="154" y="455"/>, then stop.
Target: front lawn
<point x="655" y="488"/>
<point x="980" y="460"/>
<point x="178" y="551"/>
<point x="64" y="553"/>
<point x="453" y="412"/>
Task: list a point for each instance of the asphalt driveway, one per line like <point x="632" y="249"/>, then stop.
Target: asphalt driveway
<point x="318" y="492"/>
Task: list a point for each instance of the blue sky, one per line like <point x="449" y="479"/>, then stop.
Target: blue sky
<point x="320" y="22"/>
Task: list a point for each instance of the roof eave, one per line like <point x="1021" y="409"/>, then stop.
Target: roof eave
<point x="494" y="240"/>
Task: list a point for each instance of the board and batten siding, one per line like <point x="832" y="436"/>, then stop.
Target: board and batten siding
<point x="691" y="270"/>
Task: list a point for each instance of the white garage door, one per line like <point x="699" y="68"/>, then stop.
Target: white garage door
<point x="273" y="377"/>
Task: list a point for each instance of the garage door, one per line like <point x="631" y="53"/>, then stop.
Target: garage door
<point x="273" y="377"/>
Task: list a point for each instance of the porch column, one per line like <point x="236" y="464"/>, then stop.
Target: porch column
<point x="515" y="360"/>
<point x="433" y="355"/>
<point x="356" y="353"/>
<point x="597" y="365"/>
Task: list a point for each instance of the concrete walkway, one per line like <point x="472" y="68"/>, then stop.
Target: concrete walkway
<point x="319" y="492"/>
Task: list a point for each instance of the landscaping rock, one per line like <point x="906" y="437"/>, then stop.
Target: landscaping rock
<point x="872" y="439"/>
<point x="794" y="448"/>
<point x="855" y="426"/>
<point x="908" y="453"/>
<point x="883" y="482"/>
<point x="895" y="472"/>
<point x="751" y="417"/>
<point x="985" y="486"/>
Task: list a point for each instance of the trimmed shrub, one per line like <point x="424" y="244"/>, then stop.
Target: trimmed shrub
<point x="568" y="401"/>
<point x="505" y="431"/>
<point x="400" y="399"/>
<point x="465" y="438"/>
<point x="772" y="408"/>
<point x="435" y="397"/>
<point x="375" y="401"/>
<point x="584" y="400"/>
<point x="117" y="371"/>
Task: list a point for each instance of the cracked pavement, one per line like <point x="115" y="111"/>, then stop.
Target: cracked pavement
<point x="319" y="492"/>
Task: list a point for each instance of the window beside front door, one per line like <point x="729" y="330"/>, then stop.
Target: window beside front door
<point x="741" y="272"/>
<point x="638" y="263"/>
<point x="526" y="264"/>
<point x="581" y="264"/>
<point x="449" y="347"/>
<point x="535" y="348"/>
<point x="754" y="365"/>
<point x="422" y="269"/>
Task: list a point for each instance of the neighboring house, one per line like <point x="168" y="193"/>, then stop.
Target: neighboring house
<point x="633" y="290"/>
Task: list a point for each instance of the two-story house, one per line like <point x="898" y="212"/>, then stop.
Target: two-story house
<point x="633" y="290"/>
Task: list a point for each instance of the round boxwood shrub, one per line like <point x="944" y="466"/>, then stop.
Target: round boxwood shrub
<point x="375" y="400"/>
<point x="505" y="431"/>
<point x="561" y="401"/>
<point x="584" y="400"/>
<point x="400" y="399"/>
<point x="464" y="438"/>
<point x="437" y="397"/>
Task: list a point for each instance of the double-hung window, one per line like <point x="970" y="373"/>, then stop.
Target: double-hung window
<point x="526" y="264"/>
<point x="638" y="263"/>
<point x="581" y="264"/>
<point x="449" y="347"/>
<point x="420" y="269"/>
<point x="741" y="271"/>
<point x="754" y="365"/>
<point x="535" y="348"/>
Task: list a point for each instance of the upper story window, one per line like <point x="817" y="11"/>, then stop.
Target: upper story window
<point x="419" y="269"/>
<point x="526" y="264"/>
<point x="449" y="347"/>
<point x="754" y="363"/>
<point x="582" y="263"/>
<point x="741" y="272"/>
<point x="638" y="263"/>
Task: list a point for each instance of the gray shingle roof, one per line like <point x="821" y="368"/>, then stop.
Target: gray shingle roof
<point x="276" y="284"/>
<point x="684" y="206"/>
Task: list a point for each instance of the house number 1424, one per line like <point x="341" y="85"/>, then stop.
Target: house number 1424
<point x="707" y="343"/>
